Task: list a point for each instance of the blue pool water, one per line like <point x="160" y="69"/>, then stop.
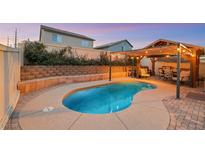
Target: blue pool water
<point x="104" y="99"/>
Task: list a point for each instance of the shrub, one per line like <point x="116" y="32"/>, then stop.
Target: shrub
<point x="35" y="53"/>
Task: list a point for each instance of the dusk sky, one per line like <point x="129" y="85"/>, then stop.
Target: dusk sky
<point x="138" y="34"/>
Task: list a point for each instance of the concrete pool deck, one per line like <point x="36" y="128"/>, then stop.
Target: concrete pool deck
<point x="46" y="111"/>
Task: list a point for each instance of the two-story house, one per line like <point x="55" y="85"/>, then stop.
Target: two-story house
<point x="57" y="38"/>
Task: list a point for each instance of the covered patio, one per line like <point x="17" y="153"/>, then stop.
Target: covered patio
<point x="166" y="48"/>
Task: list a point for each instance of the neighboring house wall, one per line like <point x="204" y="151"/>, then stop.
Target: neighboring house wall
<point x="9" y="77"/>
<point x="123" y="46"/>
<point x="64" y="40"/>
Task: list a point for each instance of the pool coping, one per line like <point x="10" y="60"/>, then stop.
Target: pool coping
<point x="92" y="116"/>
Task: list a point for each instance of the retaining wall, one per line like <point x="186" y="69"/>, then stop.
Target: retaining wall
<point x="38" y="77"/>
<point x="37" y="72"/>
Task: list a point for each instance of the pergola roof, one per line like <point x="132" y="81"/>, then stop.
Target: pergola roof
<point x="162" y="47"/>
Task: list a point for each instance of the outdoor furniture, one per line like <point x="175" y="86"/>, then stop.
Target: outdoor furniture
<point x="184" y="76"/>
<point x="132" y="73"/>
<point x="161" y="72"/>
<point x="167" y="74"/>
<point x="144" y="72"/>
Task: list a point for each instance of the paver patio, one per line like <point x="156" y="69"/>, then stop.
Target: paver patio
<point x="186" y="113"/>
<point x="151" y="109"/>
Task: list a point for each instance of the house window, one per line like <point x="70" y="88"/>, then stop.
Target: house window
<point x="84" y="43"/>
<point x="56" y="38"/>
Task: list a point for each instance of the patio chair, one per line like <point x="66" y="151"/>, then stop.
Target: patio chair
<point x="167" y="74"/>
<point x="184" y="76"/>
<point x="144" y="72"/>
<point x="161" y="72"/>
<point x="132" y="73"/>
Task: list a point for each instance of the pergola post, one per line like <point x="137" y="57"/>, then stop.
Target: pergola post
<point x="126" y="66"/>
<point x="110" y="67"/>
<point x="178" y="71"/>
<point x="153" y="60"/>
<point x="194" y="69"/>
<point x="132" y="67"/>
<point x="138" y="59"/>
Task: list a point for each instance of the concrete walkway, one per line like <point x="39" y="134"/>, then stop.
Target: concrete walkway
<point x="147" y="111"/>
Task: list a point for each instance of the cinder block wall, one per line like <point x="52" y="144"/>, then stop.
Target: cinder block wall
<point x="36" y="72"/>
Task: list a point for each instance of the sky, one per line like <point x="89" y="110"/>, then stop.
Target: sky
<point x="139" y="35"/>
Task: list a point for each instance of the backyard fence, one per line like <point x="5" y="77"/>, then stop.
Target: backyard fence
<point x="9" y="77"/>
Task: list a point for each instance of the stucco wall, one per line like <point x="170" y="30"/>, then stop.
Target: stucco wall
<point x="202" y="70"/>
<point x="89" y="53"/>
<point x="9" y="78"/>
<point x="174" y="65"/>
<point x="147" y="62"/>
<point x="46" y="38"/>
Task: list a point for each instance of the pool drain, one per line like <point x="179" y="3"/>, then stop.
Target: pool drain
<point x="48" y="109"/>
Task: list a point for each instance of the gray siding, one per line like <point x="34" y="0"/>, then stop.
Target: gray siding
<point x="123" y="46"/>
<point x="46" y="38"/>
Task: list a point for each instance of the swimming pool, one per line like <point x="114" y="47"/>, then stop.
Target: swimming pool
<point x="106" y="98"/>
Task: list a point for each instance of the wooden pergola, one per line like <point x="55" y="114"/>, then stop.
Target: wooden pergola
<point x="162" y="48"/>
